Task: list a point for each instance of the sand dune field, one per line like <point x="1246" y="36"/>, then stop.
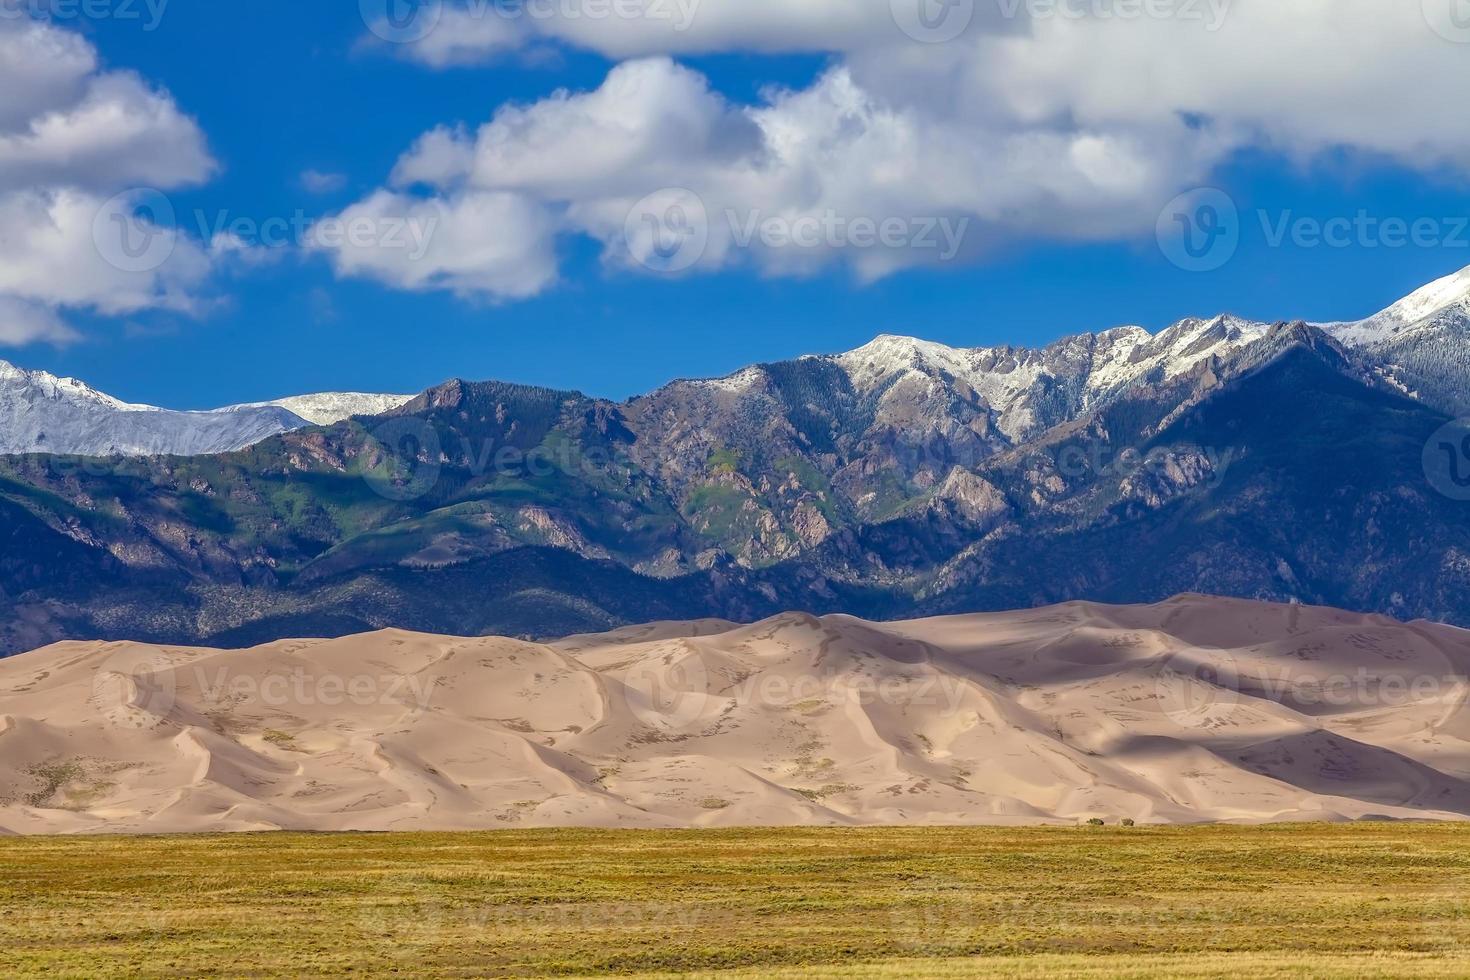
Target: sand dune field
<point x="1196" y="709"/>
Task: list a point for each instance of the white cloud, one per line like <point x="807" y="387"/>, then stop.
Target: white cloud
<point x="119" y="133"/>
<point x="1041" y="121"/>
<point x="72" y="249"/>
<point x="40" y="66"/>
<point x="1305" y="77"/>
<point x="30" y="323"/>
<point x="465" y="37"/>
<point x="473" y="243"/>
<point x="789" y="186"/>
<point x="322" y="182"/>
<point x="464" y="32"/>
<point x="74" y="143"/>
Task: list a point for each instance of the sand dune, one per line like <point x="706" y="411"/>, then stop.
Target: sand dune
<point x="1197" y="709"/>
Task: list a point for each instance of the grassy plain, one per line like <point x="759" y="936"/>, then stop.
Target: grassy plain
<point x="1365" y="900"/>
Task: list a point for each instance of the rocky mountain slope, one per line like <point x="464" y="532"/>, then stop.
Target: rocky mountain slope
<point x="41" y="413"/>
<point x="1280" y="462"/>
<point x="1198" y="709"/>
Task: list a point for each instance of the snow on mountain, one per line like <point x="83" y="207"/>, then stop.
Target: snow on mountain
<point x="331" y="407"/>
<point x="41" y="413"/>
<point x="1003" y="395"/>
<point x="1029" y="390"/>
<point x="49" y="386"/>
<point x="1450" y="295"/>
<point x="1421" y="344"/>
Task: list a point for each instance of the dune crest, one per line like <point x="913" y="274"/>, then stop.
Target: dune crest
<point x="1196" y="709"/>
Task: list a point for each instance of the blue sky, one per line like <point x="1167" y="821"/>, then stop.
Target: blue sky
<point x="279" y="89"/>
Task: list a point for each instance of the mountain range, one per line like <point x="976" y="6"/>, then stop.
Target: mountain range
<point x="1278" y="461"/>
<point x="41" y="413"/>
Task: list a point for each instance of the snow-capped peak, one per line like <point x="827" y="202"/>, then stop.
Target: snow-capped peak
<point x="890" y="353"/>
<point x="49" y="386"/>
<point x="1443" y="295"/>
<point x="41" y="413"/>
<point x="330" y="407"/>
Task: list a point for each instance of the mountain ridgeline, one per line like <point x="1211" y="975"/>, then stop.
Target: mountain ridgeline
<point x="903" y="479"/>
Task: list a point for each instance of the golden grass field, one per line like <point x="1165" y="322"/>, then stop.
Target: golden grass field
<point x="1364" y="900"/>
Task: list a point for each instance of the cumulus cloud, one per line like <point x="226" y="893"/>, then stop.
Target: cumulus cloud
<point x="1060" y="121"/>
<point x="468" y="36"/>
<point x="460" y="32"/>
<point x="119" y="132"/>
<point x="69" y="248"/>
<point x="807" y="178"/>
<point x="29" y="323"/>
<point x="473" y="243"/>
<point x="40" y="67"/>
<point x="74" y="142"/>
